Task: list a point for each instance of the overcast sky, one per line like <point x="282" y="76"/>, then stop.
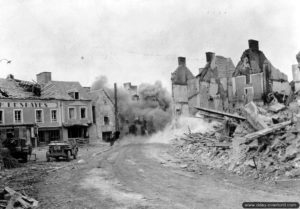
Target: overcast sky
<point x="140" y="40"/>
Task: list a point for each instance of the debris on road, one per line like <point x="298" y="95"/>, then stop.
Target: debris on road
<point x="10" y="199"/>
<point x="265" y="145"/>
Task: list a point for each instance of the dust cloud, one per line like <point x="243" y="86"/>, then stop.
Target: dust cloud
<point x="153" y="107"/>
<point x="181" y="126"/>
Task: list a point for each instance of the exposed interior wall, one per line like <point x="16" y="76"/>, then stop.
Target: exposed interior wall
<point x="282" y="87"/>
<point x="180" y="100"/>
<point x="296" y="77"/>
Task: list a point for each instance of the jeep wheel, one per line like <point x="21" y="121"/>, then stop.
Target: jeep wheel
<point x="48" y="158"/>
<point x="68" y="155"/>
<point x="25" y="158"/>
<point x="75" y="155"/>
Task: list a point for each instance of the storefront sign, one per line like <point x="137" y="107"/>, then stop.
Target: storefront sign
<point x="28" y="104"/>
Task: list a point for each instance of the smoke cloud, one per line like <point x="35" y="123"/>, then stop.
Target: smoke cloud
<point x="154" y="105"/>
<point x="178" y="128"/>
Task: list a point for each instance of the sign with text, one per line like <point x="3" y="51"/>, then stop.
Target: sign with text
<point x="28" y="105"/>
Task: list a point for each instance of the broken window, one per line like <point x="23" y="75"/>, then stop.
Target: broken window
<point x="82" y="112"/>
<point x="74" y="94"/>
<point x="53" y="115"/>
<point x="71" y="113"/>
<point x="1" y="116"/>
<point x="106" y="120"/>
<point x="18" y="116"/>
<point x="106" y="135"/>
<point x="38" y="116"/>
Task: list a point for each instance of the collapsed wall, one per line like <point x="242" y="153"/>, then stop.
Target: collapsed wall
<point x="212" y="86"/>
<point x="265" y="144"/>
<point x="255" y="78"/>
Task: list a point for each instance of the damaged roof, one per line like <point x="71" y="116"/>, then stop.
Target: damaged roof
<point x="61" y="90"/>
<point x="14" y="88"/>
<point x="181" y="75"/>
<point x="219" y="67"/>
<point x="254" y="61"/>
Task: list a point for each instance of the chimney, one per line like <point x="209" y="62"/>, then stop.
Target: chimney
<point x="43" y="78"/>
<point x="181" y="61"/>
<point x="253" y="45"/>
<point x="209" y="56"/>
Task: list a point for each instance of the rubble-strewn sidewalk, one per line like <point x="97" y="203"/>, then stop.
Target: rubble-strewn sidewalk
<point x="266" y="145"/>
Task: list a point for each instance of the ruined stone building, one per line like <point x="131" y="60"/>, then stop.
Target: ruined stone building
<point x="132" y="90"/>
<point x="103" y="115"/>
<point x="212" y="87"/>
<point x="180" y="88"/>
<point x="22" y="110"/>
<point x="296" y="73"/>
<point x="255" y="77"/>
<point x="222" y="86"/>
<point x="51" y="110"/>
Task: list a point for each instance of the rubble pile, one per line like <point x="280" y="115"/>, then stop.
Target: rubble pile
<point x="25" y="178"/>
<point x="11" y="199"/>
<point x="266" y="145"/>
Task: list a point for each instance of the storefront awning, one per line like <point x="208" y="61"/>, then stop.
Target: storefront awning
<point x="17" y="125"/>
<point x="76" y="124"/>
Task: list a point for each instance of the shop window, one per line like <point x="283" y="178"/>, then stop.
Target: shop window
<point x="77" y="132"/>
<point x="54" y="135"/>
<point x="106" y="136"/>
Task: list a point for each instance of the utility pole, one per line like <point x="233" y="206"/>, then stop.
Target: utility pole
<point x="116" y="108"/>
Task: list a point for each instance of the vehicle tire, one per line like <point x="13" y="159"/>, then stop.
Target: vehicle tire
<point x="56" y="158"/>
<point x="48" y="158"/>
<point x="75" y="155"/>
<point x="68" y="155"/>
<point x="25" y="158"/>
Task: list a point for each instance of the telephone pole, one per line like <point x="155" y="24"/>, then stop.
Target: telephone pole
<point x="116" y="108"/>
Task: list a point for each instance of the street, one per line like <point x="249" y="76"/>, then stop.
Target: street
<point x="143" y="175"/>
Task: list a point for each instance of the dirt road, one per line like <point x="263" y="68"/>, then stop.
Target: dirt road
<point x="142" y="175"/>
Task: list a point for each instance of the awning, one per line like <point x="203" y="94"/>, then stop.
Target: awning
<point x="76" y="124"/>
<point x="17" y="125"/>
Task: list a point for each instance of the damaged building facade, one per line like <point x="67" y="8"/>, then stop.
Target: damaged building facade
<point x="180" y="79"/>
<point x="256" y="79"/>
<point x="212" y="87"/>
<point x="51" y="110"/>
<point x="23" y="110"/>
<point x="222" y="86"/>
<point x="103" y="111"/>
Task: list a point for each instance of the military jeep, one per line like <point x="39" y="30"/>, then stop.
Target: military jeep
<point x="18" y="148"/>
<point x="62" y="149"/>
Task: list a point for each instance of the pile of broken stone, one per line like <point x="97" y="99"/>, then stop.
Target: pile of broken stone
<point x="10" y="199"/>
<point x="265" y="145"/>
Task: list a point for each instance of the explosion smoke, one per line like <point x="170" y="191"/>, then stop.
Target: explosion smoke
<point x="154" y="105"/>
<point x="181" y="126"/>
